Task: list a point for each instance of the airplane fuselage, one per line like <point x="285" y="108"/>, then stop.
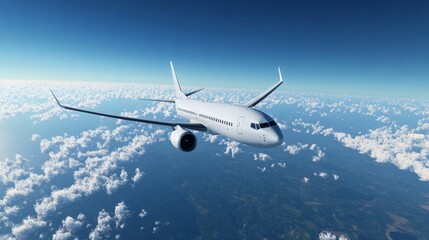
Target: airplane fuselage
<point x="239" y="123"/>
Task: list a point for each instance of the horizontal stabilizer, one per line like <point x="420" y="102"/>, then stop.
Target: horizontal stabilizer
<point x="190" y="93"/>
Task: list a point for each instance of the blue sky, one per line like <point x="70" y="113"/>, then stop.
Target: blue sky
<point x="344" y="47"/>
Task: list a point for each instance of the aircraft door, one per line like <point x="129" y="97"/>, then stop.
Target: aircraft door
<point x="240" y="123"/>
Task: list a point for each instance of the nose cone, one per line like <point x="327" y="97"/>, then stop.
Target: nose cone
<point x="275" y="138"/>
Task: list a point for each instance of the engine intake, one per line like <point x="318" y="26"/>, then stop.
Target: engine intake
<point x="183" y="139"/>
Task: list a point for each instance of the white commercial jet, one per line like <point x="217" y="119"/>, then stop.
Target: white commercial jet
<point x="240" y="123"/>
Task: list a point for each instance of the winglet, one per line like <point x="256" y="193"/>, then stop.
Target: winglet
<point x="280" y="74"/>
<point x="56" y="99"/>
<point x="265" y="94"/>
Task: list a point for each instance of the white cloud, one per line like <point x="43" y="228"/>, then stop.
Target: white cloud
<point x="261" y="157"/>
<point x="112" y="183"/>
<point x="103" y="228"/>
<point x="121" y="214"/>
<point x="137" y="176"/>
<point x="323" y="174"/>
<point x="157" y="225"/>
<point x="336" y="177"/>
<point x="97" y="171"/>
<point x="61" y="234"/>
<point x="394" y="144"/>
<point x="69" y="227"/>
<point x="405" y="148"/>
<point x="35" y="137"/>
<point x="306" y="179"/>
<point x="143" y="213"/>
<point x="292" y="149"/>
<point x="326" y="235"/>
<point x="383" y="119"/>
<point x="282" y="125"/>
<point x="295" y="149"/>
<point x="28" y="229"/>
<point x="12" y="170"/>
<point x="210" y="137"/>
<point x="232" y="147"/>
<point x="319" y="156"/>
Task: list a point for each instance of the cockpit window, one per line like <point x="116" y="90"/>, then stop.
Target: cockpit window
<point x="255" y="126"/>
<point x="263" y="125"/>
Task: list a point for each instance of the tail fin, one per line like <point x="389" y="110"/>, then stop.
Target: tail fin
<point x="179" y="92"/>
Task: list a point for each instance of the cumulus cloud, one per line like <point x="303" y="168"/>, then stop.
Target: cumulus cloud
<point x="35" y="137"/>
<point x="29" y="228"/>
<point x="12" y="170"/>
<point x="295" y="149"/>
<point x="98" y="172"/>
<point x="306" y="179"/>
<point x="103" y="228"/>
<point x="137" y="175"/>
<point x="232" y="147"/>
<point x="326" y="235"/>
<point x="383" y="119"/>
<point x="113" y="182"/>
<point x="336" y="177"/>
<point x="157" y="225"/>
<point x="319" y="156"/>
<point x="261" y="157"/>
<point x="69" y="228"/>
<point x="292" y="149"/>
<point x="121" y="214"/>
<point x="143" y="213"/>
<point x="397" y="144"/>
<point x="323" y="174"/>
<point x="210" y="137"/>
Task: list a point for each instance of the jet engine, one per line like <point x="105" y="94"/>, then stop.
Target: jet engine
<point x="183" y="139"/>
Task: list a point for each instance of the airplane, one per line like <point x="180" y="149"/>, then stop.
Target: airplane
<point x="243" y="124"/>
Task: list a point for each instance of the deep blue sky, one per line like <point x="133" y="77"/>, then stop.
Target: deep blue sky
<point x="348" y="47"/>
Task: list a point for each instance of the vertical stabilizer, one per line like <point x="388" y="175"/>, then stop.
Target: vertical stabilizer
<point x="179" y="93"/>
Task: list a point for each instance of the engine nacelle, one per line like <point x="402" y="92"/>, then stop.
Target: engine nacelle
<point x="183" y="139"/>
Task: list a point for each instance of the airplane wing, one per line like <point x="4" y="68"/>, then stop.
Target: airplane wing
<point x="188" y="125"/>
<point x="265" y="94"/>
